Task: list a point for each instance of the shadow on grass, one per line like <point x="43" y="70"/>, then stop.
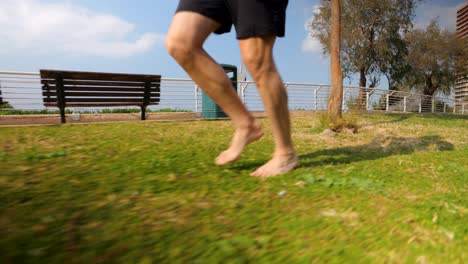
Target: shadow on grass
<point x="446" y="116"/>
<point x="378" y="148"/>
<point x="398" y="118"/>
<point x="402" y="117"/>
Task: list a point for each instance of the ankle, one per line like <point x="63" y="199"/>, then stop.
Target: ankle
<point x="286" y="153"/>
<point x="248" y="124"/>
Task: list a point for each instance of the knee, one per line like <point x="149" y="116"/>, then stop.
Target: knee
<point x="179" y="49"/>
<point x="258" y="64"/>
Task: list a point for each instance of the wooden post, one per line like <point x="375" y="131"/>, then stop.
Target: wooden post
<point x="146" y="99"/>
<point x="60" y="96"/>
<point x="336" y="97"/>
<point x="143" y="112"/>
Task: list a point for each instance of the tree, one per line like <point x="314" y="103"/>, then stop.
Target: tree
<point x="433" y="56"/>
<point x="372" y="33"/>
<point x="2" y="103"/>
<point x="336" y="97"/>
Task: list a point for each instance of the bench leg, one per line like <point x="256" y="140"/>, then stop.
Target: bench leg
<point x="62" y="115"/>
<point x="143" y="113"/>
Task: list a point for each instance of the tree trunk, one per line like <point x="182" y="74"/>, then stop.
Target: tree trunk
<point x="361" y="100"/>
<point x="430" y="88"/>
<point x="336" y="97"/>
<point x="426" y="100"/>
<point x="362" y="77"/>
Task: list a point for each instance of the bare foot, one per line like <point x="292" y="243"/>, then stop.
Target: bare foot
<point x="242" y="137"/>
<point x="279" y="164"/>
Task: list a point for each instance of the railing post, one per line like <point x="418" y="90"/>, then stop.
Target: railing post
<point x="243" y="92"/>
<point x="367" y="101"/>
<point x="404" y="103"/>
<point x="445" y="107"/>
<point x="343" y="104"/>
<point x="433" y="106"/>
<point x="239" y="90"/>
<point x="197" y="107"/>
<point x="316" y="98"/>
<point x="387" y="102"/>
<point x="463" y="108"/>
<point x="420" y="105"/>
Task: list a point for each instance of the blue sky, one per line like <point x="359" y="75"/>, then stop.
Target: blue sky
<point x="127" y="36"/>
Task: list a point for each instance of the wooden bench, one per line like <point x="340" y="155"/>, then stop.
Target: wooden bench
<point x="96" y="89"/>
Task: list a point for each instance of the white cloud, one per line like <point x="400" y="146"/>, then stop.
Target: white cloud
<point x="311" y="44"/>
<point x="47" y="27"/>
<point x="445" y="15"/>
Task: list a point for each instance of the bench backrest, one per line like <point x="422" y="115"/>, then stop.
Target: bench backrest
<point x="82" y="89"/>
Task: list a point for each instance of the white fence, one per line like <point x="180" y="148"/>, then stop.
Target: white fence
<point x="22" y="90"/>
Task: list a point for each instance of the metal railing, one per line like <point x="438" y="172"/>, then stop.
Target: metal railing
<point x="22" y="90"/>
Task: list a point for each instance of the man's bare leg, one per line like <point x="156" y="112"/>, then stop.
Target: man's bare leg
<point x="257" y="55"/>
<point x="184" y="42"/>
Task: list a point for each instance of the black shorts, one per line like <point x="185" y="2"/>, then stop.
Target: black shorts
<point x="251" y="18"/>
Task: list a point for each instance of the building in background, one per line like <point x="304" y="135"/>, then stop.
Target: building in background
<point x="461" y="87"/>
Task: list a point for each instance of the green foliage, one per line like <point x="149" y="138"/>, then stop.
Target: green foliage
<point x="348" y="122"/>
<point x="148" y="192"/>
<point x="378" y="39"/>
<point x="323" y="121"/>
<point x="32" y="112"/>
<point x="433" y="56"/>
<point x="6" y="106"/>
<point x="169" y="110"/>
<point x="372" y="43"/>
<point x="355" y="104"/>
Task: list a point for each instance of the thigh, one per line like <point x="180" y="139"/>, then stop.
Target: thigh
<point x="191" y="28"/>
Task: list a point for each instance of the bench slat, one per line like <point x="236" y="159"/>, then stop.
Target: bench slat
<point x="102" y="83"/>
<point x="99" y="76"/>
<point x="104" y="100"/>
<point x="97" y="94"/>
<point x="99" y="89"/>
<point x="94" y="105"/>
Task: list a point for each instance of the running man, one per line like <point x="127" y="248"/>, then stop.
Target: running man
<point x="257" y="24"/>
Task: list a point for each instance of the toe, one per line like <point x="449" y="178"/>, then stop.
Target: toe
<point x="256" y="173"/>
<point x="226" y="157"/>
<point x="221" y="159"/>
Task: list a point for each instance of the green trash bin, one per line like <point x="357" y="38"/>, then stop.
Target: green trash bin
<point x="210" y="110"/>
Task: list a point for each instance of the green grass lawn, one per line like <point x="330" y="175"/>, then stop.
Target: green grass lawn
<point x="147" y="192"/>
